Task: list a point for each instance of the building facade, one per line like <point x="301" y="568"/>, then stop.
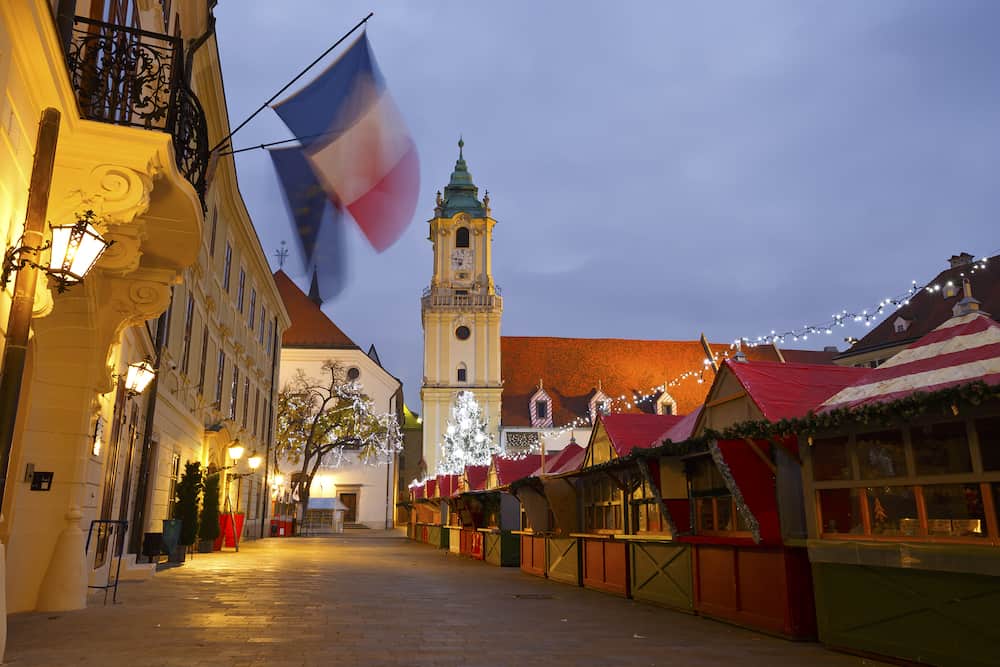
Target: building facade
<point x="460" y="311"/>
<point x="138" y="90"/>
<point x="368" y="490"/>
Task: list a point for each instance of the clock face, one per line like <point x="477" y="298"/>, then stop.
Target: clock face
<point x="461" y="258"/>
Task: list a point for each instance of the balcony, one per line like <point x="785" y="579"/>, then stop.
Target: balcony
<point x="132" y="77"/>
<point x="446" y="299"/>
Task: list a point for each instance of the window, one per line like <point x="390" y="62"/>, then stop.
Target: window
<point x="462" y="373"/>
<point x="253" y="307"/>
<point x="204" y="360"/>
<point x="666" y="405"/>
<point x="263" y="316"/>
<point x="188" y="323"/>
<point x="239" y="289"/>
<point x="215" y="228"/>
<point x="715" y="511"/>
<point x="246" y="400"/>
<point x="542" y="409"/>
<point x="234" y="393"/>
<point x="919" y="482"/>
<point x="647" y="513"/>
<point x="901" y="325"/>
<point x="175" y="477"/>
<point x="219" y="375"/>
<point x="602" y="505"/>
<point x="462" y="237"/>
<point x="353" y="373"/>
<point x="462" y="332"/>
<point x="270" y="338"/>
<point x="227" y="267"/>
<point x="256" y="410"/>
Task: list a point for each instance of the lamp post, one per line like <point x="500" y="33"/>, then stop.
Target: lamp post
<point x="236" y="451"/>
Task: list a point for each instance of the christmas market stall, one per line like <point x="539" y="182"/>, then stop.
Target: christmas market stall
<point x="468" y="509"/>
<point x="502" y="515"/>
<point x="451" y="526"/>
<point x="603" y="484"/>
<point x="748" y="556"/>
<point x="902" y="490"/>
<point x="538" y="521"/>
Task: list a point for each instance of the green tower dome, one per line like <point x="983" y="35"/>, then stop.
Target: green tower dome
<point x="461" y="194"/>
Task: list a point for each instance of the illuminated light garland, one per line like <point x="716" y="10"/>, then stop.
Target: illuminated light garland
<point x="843" y="318"/>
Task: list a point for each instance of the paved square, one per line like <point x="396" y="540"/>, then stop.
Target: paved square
<point x="373" y="598"/>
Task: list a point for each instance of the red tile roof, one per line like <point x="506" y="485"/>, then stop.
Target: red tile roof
<point x="928" y="310"/>
<point x="962" y="350"/>
<point x="636" y="431"/>
<point x="784" y="391"/>
<point x="310" y="326"/>
<point x="572" y="368"/>
<point x="511" y="470"/>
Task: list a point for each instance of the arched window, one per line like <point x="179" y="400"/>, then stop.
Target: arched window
<point x="462" y="237"/>
<point x="461" y="374"/>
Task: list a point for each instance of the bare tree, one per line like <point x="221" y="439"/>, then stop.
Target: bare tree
<point x="319" y="419"/>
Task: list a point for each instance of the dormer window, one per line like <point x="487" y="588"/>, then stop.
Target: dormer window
<point x="666" y="405"/>
<point x="600" y="404"/>
<point x="462" y="237"/>
<point x="540" y="407"/>
<point x="901" y="325"/>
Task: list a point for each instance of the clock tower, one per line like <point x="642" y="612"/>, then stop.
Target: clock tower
<point x="460" y="311"/>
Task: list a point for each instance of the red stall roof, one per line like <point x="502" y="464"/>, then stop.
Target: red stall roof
<point x="417" y="491"/>
<point x="963" y="349"/>
<point x="784" y="391"/>
<point x="509" y="470"/>
<point x="476" y="477"/>
<point x="632" y="431"/>
<point x="447" y="485"/>
<point x="556" y="461"/>
<point x="430" y="488"/>
<point x="682" y="430"/>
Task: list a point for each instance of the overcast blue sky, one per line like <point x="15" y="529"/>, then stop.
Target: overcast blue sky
<point x="658" y="169"/>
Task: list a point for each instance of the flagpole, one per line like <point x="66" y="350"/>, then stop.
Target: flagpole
<point x="288" y="85"/>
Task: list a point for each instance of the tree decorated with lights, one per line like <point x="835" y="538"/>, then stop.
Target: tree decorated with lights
<point x="466" y="439"/>
<point x="319" y="420"/>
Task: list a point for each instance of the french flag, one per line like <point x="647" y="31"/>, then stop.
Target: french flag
<point x="360" y="150"/>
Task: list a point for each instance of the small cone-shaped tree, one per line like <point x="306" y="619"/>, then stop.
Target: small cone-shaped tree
<point x="466" y="439"/>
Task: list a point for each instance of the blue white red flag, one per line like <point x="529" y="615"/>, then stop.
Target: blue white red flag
<point x="358" y="146"/>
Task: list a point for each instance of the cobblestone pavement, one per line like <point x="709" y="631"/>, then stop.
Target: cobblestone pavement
<point x="374" y="598"/>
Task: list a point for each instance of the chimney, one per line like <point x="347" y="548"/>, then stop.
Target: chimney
<point x="960" y="259"/>
<point x="830" y="348"/>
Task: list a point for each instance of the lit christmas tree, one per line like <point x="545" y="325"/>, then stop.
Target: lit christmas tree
<point x="466" y="440"/>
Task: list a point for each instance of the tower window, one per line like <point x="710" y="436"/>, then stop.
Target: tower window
<point x="462" y="237"/>
<point x="462" y="332"/>
<point x="462" y="373"/>
<point x="353" y="373"/>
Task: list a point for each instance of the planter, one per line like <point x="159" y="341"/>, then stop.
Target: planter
<point x="226" y="524"/>
<point x="171" y="536"/>
<point x="206" y="546"/>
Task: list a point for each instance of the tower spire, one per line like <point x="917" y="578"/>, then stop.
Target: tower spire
<point x="461" y="194"/>
<point x="314" y="290"/>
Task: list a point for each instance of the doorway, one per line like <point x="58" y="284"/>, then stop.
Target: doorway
<point x="350" y="500"/>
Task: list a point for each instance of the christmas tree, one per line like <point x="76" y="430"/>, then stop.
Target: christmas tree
<point x="466" y="440"/>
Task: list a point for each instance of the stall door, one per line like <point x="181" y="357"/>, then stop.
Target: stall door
<point x="351" y="500"/>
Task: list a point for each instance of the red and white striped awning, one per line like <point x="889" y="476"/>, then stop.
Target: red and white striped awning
<point x="963" y="349"/>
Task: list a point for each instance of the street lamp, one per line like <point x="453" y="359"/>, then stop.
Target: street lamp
<point x="74" y="250"/>
<point x="254" y="461"/>
<point x="138" y="376"/>
<point x="236" y="451"/>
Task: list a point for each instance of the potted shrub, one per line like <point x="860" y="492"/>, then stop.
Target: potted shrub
<point x="208" y="531"/>
<point x="183" y="533"/>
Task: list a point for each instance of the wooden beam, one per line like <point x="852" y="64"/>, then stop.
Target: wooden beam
<point x="760" y="453"/>
<point x="726" y="399"/>
<point x="708" y="352"/>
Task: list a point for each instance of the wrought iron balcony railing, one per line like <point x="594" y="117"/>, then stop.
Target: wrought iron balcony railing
<point x="133" y="77"/>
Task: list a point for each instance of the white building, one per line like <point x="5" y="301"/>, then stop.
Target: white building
<point x="369" y="491"/>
